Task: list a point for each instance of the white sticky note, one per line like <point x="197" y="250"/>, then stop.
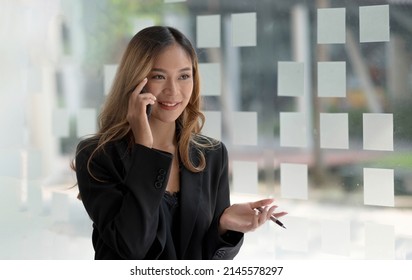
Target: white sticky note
<point x="378" y="187"/>
<point x="245" y="177"/>
<point x="60" y="206"/>
<point x="332" y="79"/>
<point x="331" y="26"/>
<point x="374" y="23"/>
<point x="11" y="164"/>
<point x="290" y="78"/>
<point x="213" y="124"/>
<point x="244" y="128"/>
<point x="379" y="242"/>
<point x="294" y="181"/>
<point x="244" y="30"/>
<point x="334" y="131"/>
<point x="60" y="123"/>
<point x="210" y="79"/>
<point x="10" y="201"/>
<point x="34" y="164"/>
<point x="86" y="122"/>
<point x="35" y="198"/>
<point x="296" y="237"/>
<point x="378" y="132"/>
<point x="109" y="74"/>
<point x="335" y="237"/>
<point x="208" y="31"/>
<point x="293" y="130"/>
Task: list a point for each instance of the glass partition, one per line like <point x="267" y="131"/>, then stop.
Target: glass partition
<point x="312" y="98"/>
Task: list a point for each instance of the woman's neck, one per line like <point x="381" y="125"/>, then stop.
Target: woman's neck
<point x="164" y="136"/>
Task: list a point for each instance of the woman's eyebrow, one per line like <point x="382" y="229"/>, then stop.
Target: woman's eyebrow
<point x="164" y="71"/>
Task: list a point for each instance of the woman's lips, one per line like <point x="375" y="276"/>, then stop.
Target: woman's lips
<point x="168" y="105"/>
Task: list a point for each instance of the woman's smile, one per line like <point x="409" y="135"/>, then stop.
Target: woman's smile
<point x="168" y="105"/>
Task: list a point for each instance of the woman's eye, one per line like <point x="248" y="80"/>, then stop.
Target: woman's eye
<point x="158" y="77"/>
<point x="185" y="77"/>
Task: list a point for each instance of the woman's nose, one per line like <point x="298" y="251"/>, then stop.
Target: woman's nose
<point x="171" y="87"/>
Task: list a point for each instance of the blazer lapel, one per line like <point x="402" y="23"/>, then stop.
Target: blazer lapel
<point x="190" y="190"/>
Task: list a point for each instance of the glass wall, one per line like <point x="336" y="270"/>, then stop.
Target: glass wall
<point x="312" y="99"/>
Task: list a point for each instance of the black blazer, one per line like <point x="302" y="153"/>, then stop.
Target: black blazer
<point x="123" y="198"/>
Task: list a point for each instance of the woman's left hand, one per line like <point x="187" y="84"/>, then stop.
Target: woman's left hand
<point x="245" y="217"/>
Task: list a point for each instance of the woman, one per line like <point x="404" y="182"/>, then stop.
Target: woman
<point x="153" y="186"/>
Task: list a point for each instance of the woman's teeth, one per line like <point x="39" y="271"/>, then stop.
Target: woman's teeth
<point x="168" y="104"/>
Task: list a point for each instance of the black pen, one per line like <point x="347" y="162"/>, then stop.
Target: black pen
<point x="274" y="219"/>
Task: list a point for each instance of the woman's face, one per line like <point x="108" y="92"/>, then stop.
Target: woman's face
<point x="171" y="81"/>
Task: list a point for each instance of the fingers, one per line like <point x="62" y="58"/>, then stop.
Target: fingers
<point x="139" y="100"/>
<point x="264" y="214"/>
<point x="255" y="221"/>
<point x="140" y="86"/>
<point x="262" y="203"/>
<point x="280" y="214"/>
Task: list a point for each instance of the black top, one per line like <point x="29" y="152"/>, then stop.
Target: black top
<point x="171" y="210"/>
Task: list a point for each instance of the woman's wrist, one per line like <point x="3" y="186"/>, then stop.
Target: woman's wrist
<point x="222" y="229"/>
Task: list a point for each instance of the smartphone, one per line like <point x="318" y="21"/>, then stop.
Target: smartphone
<point x="148" y="107"/>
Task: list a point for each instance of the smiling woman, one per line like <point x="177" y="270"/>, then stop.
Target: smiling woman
<point x="155" y="188"/>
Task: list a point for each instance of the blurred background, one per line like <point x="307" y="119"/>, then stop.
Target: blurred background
<point x="337" y="158"/>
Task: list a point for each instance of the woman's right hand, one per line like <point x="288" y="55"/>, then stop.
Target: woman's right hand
<point x="245" y="217"/>
<point x="136" y="115"/>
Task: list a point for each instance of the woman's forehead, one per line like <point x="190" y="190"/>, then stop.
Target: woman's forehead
<point x="173" y="57"/>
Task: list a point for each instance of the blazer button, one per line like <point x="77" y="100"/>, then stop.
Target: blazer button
<point x="158" y="185"/>
<point x="220" y="254"/>
<point x="162" y="171"/>
<point x="161" y="178"/>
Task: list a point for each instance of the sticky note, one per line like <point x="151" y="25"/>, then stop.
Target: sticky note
<point x="210" y="79"/>
<point x="293" y="130"/>
<point x="10" y="200"/>
<point x="244" y="30"/>
<point x="378" y="132"/>
<point x="34" y="164"/>
<point x="86" y="122"/>
<point x="60" y="123"/>
<point x="35" y="198"/>
<point x="378" y="187"/>
<point x="334" y="131"/>
<point x="379" y="242"/>
<point x="332" y="79"/>
<point x="213" y="124"/>
<point x="60" y="206"/>
<point x="11" y="164"/>
<point x="109" y="74"/>
<point x="335" y="236"/>
<point x="374" y="23"/>
<point x="208" y="31"/>
<point x="244" y="128"/>
<point x="331" y="26"/>
<point x="296" y="237"/>
<point x="290" y="78"/>
<point x="294" y="181"/>
<point x="245" y="177"/>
